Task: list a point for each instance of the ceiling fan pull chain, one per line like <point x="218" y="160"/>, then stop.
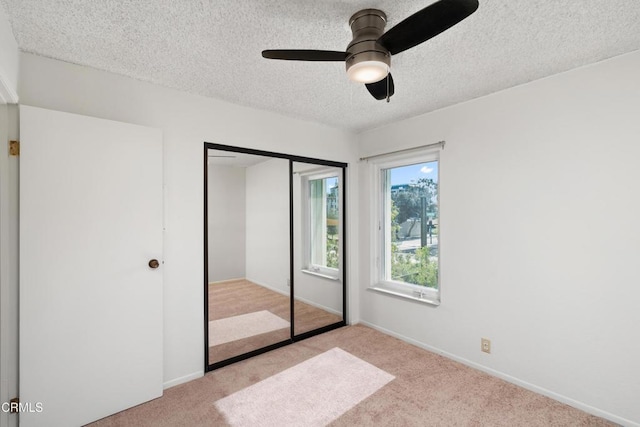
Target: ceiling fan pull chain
<point x="388" y="96"/>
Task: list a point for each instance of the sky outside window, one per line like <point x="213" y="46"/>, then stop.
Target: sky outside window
<point x="411" y="173"/>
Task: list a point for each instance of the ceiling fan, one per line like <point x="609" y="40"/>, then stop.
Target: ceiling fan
<point x="368" y="56"/>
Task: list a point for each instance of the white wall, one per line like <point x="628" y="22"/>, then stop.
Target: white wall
<point x="268" y="224"/>
<point x="540" y="236"/>
<point x="226" y="222"/>
<point x="9" y="61"/>
<point x="8" y="262"/>
<point x="186" y="120"/>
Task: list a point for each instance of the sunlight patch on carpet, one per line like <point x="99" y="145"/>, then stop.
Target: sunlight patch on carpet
<point x="244" y="326"/>
<point x="312" y="393"/>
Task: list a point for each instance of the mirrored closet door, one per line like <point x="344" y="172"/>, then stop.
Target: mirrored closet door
<point x="317" y="253"/>
<point x="274" y="251"/>
<point x="248" y="253"/>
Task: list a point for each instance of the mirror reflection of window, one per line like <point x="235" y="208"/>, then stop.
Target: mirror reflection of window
<point x="324" y="221"/>
<point x="318" y="212"/>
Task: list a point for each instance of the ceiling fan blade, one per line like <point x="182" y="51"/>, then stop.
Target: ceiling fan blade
<point x="427" y="23"/>
<point x="380" y="89"/>
<point x="304" y="55"/>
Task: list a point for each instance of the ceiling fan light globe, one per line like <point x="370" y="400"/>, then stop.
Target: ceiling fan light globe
<point x="368" y="71"/>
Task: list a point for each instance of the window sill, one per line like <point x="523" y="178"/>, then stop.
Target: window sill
<point x="324" y="276"/>
<point x="423" y="300"/>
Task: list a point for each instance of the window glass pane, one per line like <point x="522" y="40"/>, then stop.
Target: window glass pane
<point x="325" y="220"/>
<point x="411" y="224"/>
<point x="316" y="201"/>
<point x="333" y="221"/>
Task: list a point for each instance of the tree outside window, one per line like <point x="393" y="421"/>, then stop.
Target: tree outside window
<point x="412" y="217"/>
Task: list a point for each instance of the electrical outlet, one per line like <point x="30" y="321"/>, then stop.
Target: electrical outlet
<point x="288" y="282"/>
<point x="485" y="345"/>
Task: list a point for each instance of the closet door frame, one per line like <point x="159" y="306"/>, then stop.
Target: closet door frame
<point x="292" y="338"/>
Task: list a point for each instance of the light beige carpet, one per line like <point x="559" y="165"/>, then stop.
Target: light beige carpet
<point x="429" y="390"/>
<point x="312" y="393"/>
<point x="235" y="328"/>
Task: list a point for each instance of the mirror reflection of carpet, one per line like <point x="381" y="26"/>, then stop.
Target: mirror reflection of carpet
<point x="243" y="326"/>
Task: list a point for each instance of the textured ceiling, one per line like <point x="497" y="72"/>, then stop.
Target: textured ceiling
<point x="212" y="48"/>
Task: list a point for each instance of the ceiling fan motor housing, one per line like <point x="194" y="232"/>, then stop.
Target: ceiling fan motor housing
<point x="367" y="26"/>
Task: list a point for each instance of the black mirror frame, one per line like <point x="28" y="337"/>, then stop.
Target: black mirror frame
<point x="293" y="338"/>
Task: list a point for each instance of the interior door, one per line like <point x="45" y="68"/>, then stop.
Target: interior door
<point x="90" y="295"/>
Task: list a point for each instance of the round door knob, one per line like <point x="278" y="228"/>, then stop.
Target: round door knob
<point x="154" y="263"/>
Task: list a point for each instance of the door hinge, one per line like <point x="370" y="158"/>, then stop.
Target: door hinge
<point x="13" y="405"/>
<point x="14" y="148"/>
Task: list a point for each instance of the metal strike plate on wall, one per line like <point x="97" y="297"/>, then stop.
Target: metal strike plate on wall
<point x="14" y="148"/>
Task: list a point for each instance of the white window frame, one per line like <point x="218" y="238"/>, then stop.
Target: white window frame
<point x="381" y="224"/>
<point x="307" y="265"/>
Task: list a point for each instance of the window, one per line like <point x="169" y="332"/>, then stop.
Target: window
<point x="407" y="241"/>
<point x="322" y="223"/>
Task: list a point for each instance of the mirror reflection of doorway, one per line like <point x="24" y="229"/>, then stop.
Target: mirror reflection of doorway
<point x="260" y="209"/>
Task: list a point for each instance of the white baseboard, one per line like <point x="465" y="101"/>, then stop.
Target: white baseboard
<point x="532" y="387"/>
<point x="219" y="282"/>
<point x="306" y="301"/>
<point x="182" y="380"/>
<point x="320" y="306"/>
<point x="271" y="288"/>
